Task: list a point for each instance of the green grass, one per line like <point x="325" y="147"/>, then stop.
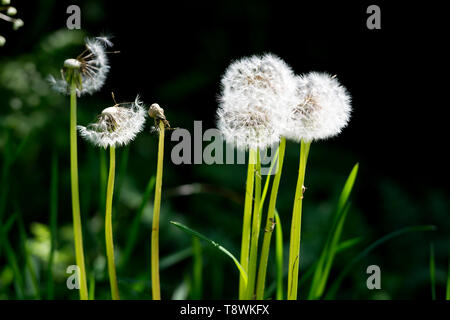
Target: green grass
<point x="53" y="225"/>
<point x="192" y="232"/>
<point x="331" y="294"/>
<point x="329" y="251"/>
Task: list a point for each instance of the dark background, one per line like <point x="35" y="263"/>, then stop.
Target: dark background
<point x="175" y="54"/>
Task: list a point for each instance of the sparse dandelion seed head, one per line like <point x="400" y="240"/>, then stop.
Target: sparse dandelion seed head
<point x="157" y="113"/>
<point x="255" y="91"/>
<point x="2" y="41"/>
<point x="117" y="125"/>
<point x="321" y="110"/>
<point x="93" y="68"/>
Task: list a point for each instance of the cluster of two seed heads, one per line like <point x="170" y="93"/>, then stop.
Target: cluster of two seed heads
<point x="263" y="100"/>
<point x="116" y="125"/>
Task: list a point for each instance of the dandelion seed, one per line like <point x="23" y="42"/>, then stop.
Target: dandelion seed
<point x="88" y="70"/>
<point x="254" y="90"/>
<point x="116" y="125"/>
<point x="322" y="108"/>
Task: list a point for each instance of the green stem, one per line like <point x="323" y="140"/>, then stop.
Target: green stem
<point x="294" y="246"/>
<point x="156" y="291"/>
<point x="245" y="243"/>
<point x="77" y="230"/>
<point x="270" y="222"/>
<point x="108" y="226"/>
<point x="256" y="225"/>
<point x="279" y="256"/>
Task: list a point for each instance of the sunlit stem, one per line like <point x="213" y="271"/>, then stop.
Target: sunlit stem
<point x="294" y="247"/>
<point x="77" y="231"/>
<point x="256" y="226"/>
<point x="246" y="225"/>
<point x="270" y="224"/>
<point x="108" y="226"/>
<point x="156" y="291"/>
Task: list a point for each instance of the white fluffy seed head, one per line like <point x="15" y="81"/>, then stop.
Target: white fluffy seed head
<point x="94" y="67"/>
<point x="254" y="90"/>
<point x="321" y="109"/>
<point x="117" y="125"/>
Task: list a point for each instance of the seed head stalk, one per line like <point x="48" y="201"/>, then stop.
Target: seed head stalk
<point x="156" y="291"/>
<point x="256" y="225"/>
<point x="77" y="230"/>
<point x="270" y="223"/>
<point x="294" y="247"/>
<point x="246" y="225"/>
<point x="108" y="226"/>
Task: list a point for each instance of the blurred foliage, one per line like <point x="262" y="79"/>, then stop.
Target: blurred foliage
<point x="210" y="198"/>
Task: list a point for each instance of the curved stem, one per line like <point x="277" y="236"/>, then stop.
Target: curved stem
<point x="108" y="226"/>
<point x="156" y="291"/>
<point x="246" y="227"/>
<point x="256" y="225"/>
<point x="294" y="246"/>
<point x="77" y="230"/>
<point x="270" y="222"/>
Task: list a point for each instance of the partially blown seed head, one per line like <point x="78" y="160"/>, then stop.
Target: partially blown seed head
<point x="321" y="109"/>
<point x="254" y="90"/>
<point x="88" y="70"/>
<point x="116" y="125"/>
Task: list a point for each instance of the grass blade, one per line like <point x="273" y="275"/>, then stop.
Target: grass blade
<point x="214" y="244"/>
<point x="326" y="258"/>
<point x="447" y="294"/>
<point x="174" y="258"/>
<point x="432" y="272"/>
<point x="134" y="229"/>
<point x="197" y="286"/>
<point x="28" y="263"/>
<point x="335" y="285"/>
<point x="11" y="257"/>
<point x="91" y="295"/>
<point x="53" y="225"/>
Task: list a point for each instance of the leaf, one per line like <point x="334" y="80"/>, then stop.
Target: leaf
<point x="214" y="244"/>
<point x="328" y="253"/>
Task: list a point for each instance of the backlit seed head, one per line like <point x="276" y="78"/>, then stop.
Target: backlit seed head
<point x="254" y="92"/>
<point x="117" y="125"/>
<point x="92" y="68"/>
<point x="321" y="110"/>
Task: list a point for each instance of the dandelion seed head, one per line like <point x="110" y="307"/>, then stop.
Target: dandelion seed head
<point x="117" y="125"/>
<point x="93" y="68"/>
<point x="321" y="110"/>
<point x="254" y="92"/>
